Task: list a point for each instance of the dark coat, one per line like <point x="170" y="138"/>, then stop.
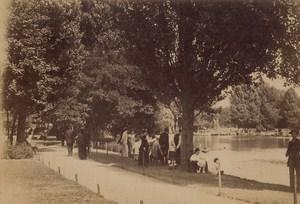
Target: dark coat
<point x="164" y="141"/>
<point x="293" y="152"/>
<point x="143" y="151"/>
<point x="70" y="136"/>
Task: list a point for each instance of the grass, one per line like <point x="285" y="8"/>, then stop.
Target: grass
<point x="182" y="177"/>
<point x="31" y="182"/>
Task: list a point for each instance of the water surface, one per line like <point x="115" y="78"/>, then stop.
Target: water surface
<point x="261" y="158"/>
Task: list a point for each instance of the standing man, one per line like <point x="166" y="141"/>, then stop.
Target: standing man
<point x="294" y="158"/>
<point x="177" y="141"/>
<point x="124" y="142"/>
<point x="164" y="144"/>
<point x="70" y="139"/>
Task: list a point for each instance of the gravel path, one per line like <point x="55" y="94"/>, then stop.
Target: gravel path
<point x="123" y="186"/>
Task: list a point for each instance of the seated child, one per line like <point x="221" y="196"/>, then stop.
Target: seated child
<point x="198" y="162"/>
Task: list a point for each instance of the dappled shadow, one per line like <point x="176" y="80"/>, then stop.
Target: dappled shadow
<point x="182" y="177"/>
<point x="45" y="150"/>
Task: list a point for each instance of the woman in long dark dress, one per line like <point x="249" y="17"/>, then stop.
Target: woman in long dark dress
<point x="143" y="151"/>
<point x="82" y="142"/>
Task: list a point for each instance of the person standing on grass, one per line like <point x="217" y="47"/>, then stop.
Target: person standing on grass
<point x="156" y="152"/>
<point x="70" y="139"/>
<point x="130" y="144"/>
<point x="293" y="155"/>
<point x="143" y="151"/>
<point x="164" y="144"/>
<point x="124" y="143"/>
<point x="136" y="147"/>
<point x="177" y="141"/>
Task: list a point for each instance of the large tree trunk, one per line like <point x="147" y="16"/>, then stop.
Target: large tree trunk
<point x="187" y="131"/>
<point x="21" y="127"/>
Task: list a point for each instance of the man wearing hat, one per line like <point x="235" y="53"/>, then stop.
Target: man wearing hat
<point x="293" y="154"/>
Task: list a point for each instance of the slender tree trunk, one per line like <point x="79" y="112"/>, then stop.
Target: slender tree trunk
<point x="7" y="124"/>
<point x="13" y="128"/>
<point x="187" y="131"/>
<point x="21" y="127"/>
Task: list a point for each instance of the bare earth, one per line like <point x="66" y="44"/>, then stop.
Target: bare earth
<point x="30" y="182"/>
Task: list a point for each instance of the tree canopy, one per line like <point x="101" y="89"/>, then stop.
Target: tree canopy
<point x="256" y="106"/>
<point x="194" y="50"/>
<point x="290" y="110"/>
<point x="44" y="52"/>
<point x="103" y="63"/>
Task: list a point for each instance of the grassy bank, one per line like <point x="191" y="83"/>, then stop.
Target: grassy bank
<point x="234" y="187"/>
<point x="182" y="177"/>
<point x="30" y="182"/>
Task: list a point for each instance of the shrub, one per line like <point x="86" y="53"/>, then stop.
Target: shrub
<point x="19" y="151"/>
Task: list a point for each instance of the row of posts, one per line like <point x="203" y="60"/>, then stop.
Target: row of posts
<point x="143" y="161"/>
<point x="76" y="176"/>
<point x="173" y="176"/>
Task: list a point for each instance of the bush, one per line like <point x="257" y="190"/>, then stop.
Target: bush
<point x="19" y="151"/>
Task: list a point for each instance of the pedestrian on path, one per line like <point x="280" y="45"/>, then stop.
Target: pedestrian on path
<point x="293" y="154"/>
<point x="82" y="142"/>
<point x="70" y="139"/>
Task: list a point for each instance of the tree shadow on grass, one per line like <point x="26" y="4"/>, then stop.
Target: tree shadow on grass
<point x="182" y="177"/>
<point x="46" y="150"/>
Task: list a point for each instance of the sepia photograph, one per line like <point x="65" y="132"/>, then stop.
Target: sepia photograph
<point x="150" y="101"/>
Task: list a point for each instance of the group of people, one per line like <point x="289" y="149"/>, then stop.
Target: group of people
<point x="198" y="161"/>
<point x="164" y="149"/>
<point x="145" y="148"/>
<point x="78" y="136"/>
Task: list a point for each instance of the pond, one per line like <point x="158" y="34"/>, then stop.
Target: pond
<point x="261" y="158"/>
<point x="241" y="143"/>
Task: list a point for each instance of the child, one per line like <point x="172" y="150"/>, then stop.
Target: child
<point x="216" y="167"/>
<point x="135" y="148"/>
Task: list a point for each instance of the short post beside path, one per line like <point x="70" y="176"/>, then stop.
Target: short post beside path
<point x="295" y="186"/>
<point x="220" y="180"/>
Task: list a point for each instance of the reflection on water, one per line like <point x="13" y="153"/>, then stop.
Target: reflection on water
<point x="241" y="143"/>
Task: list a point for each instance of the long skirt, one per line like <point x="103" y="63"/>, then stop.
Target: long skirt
<point x="82" y="152"/>
<point x="143" y="157"/>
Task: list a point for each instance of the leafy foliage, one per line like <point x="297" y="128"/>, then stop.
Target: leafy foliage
<point x="196" y="49"/>
<point x="18" y="151"/>
<point x="261" y="106"/>
<point x="109" y="93"/>
<point x="290" y="109"/>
